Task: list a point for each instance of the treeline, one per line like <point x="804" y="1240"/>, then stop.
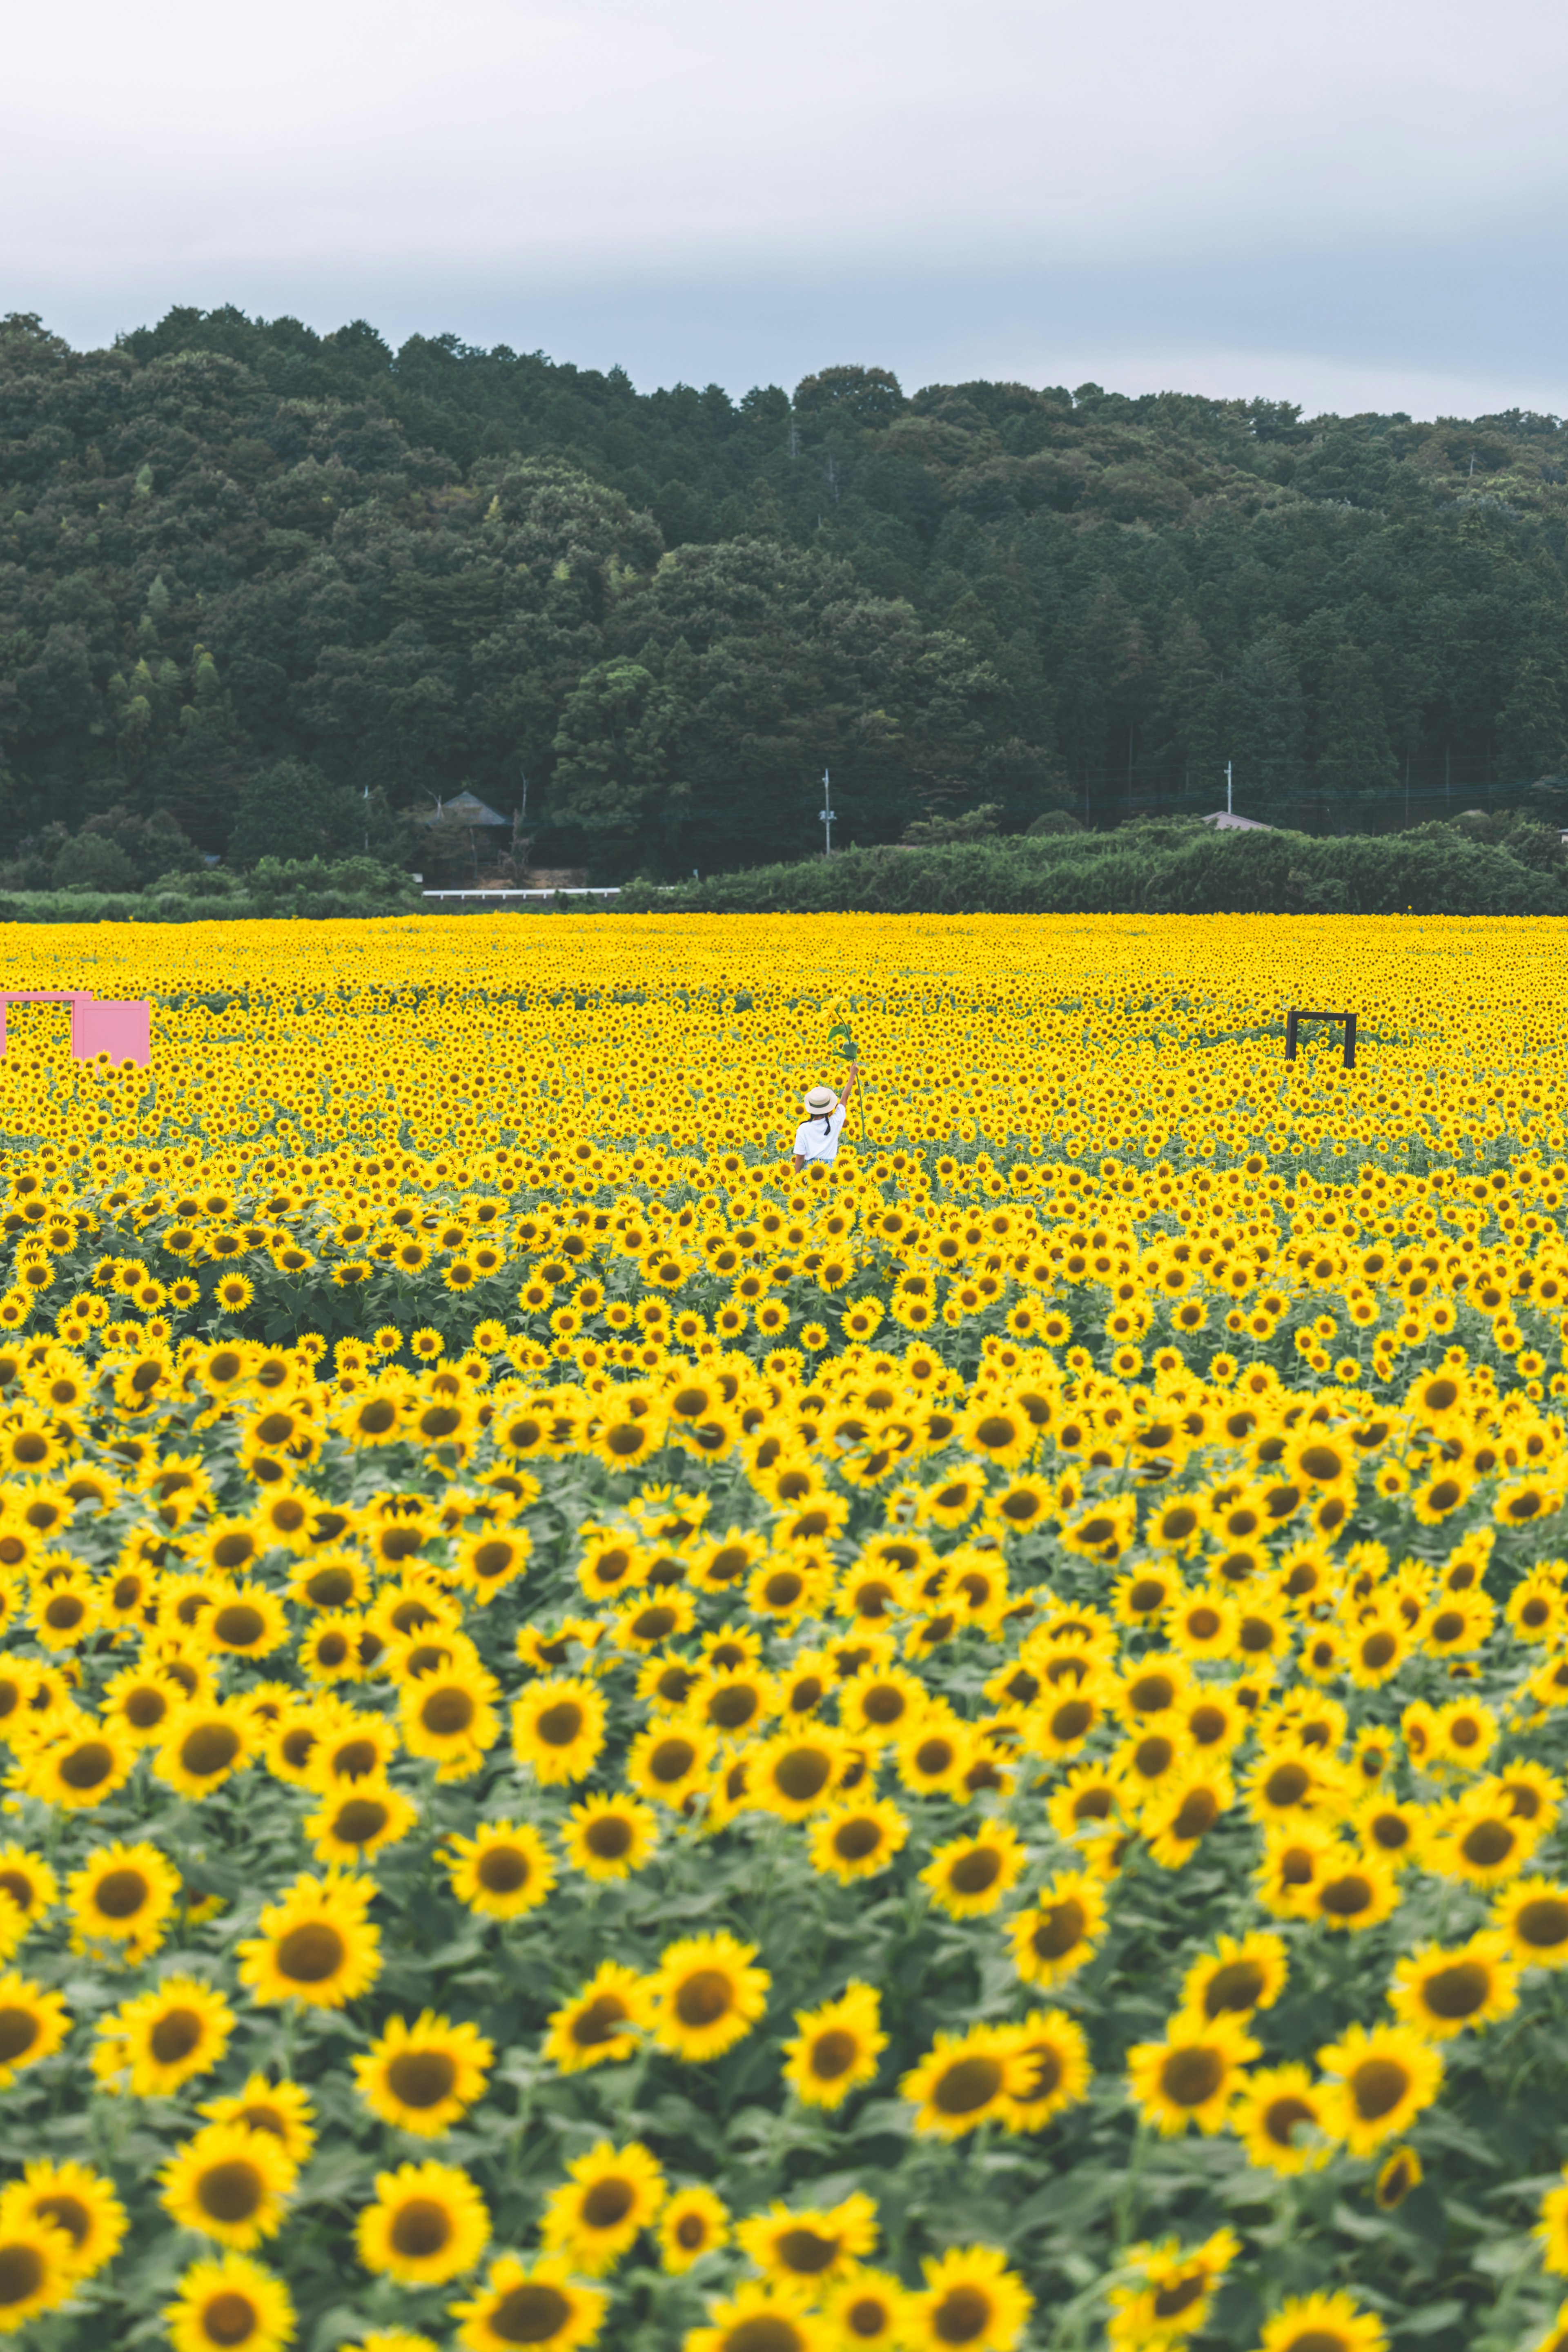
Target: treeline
<point x="1171" y="868"/>
<point x="283" y="590"/>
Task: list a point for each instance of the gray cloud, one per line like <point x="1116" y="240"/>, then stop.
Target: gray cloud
<point x="1226" y="197"/>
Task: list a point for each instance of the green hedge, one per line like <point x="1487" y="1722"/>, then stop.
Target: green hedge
<point x="1435" y="870"/>
<point x="311" y="889"/>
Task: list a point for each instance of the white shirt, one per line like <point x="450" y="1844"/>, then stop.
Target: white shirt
<point x="817" y="1138"/>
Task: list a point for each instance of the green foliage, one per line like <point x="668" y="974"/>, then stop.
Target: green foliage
<point x="316" y="888"/>
<point x="1176" y="866"/>
<point x="235" y="553"/>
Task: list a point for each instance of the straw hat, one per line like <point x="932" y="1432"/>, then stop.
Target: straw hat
<point x="820" y="1101"/>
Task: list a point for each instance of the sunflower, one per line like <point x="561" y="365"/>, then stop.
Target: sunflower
<point x="608" y="2198"/>
<point x="204" y="1745"/>
<point x="126" y="1893"/>
<point x="964" y="2079"/>
<point x="1276" y="2112"/>
<point x="1439" y="1993"/>
<point x="1482" y="1840"/>
<point x="1055" y="2069"/>
<point x="609" y="1837"/>
<point x="1171" y="2299"/>
<point x="229" y="2182"/>
<point x="37" y="2272"/>
<point x="233" y="2304"/>
<point x="762" y="2316"/>
<point x="487" y="1563"/>
<point x="1397" y="2174"/>
<point x="799" y="1772"/>
<point x="969" y="1875"/>
<point x="423" y="2076"/>
<point x="282" y="2109"/>
<point x="837" y="2048"/>
<point x="811" y="2247"/>
<point x="503" y="1870"/>
<point x="706" y="1995"/>
<point x="446" y="1715"/>
<point x="692" y="2223"/>
<point x="933" y="1756"/>
<point x="1193" y="2075"/>
<point x="1323" y="2323"/>
<point x="249" y="1622"/>
<point x="81" y="1763"/>
<point x="537" y="2304"/>
<point x="1383" y="2080"/>
<point x="1237" y="1979"/>
<point x="1532" y="1913"/>
<point x="971" y="2300"/>
<point x="603" y="2022"/>
<point x="429" y="2225"/>
<point x="355" y="1824"/>
<point x="856" y="1837"/>
<point x="668" y="1761"/>
<point x="315" y="1945"/>
<point x="28" y="1882"/>
<point x="1352" y="1892"/>
<point x="71" y="2199"/>
<point x="166" y="2037"/>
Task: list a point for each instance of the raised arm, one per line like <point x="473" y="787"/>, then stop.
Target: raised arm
<point x="854" y="1073"/>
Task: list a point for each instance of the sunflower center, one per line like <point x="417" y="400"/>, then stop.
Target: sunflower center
<point x="66" y="2214"/>
<point x="1179" y="2296"/>
<point x="805" y="2251"/>
<point x="705" y="1996"/>
<point x="1377" y="2086"/>
<point x="1287" y="1784"/>
<point x="1237" y="1986"/>
<point x="240" y="1624"/>
<point x="609" y="1837"/>
<point x="231" y="2191"/>
<point x="1191" y="2076"/>
<point x="1059" y="1929"/>
<point x="607" y="2203"/>
<point x="1195" y="1816"/>
<point x="962" y="2316"/>
<point x="420" y="2229"/>
<point x="121" y="1894"/>
<point x="229" y="2318"/>
<point x="833" y="2053"/>
<point x="967" y="2086"/>
<point x="534" y="2314"/>
<point x="855" y="1841"/>
<point x="802" y="1774"/>
<point x="1347" y="1897"/>
<point x="21" y="2274"/>
<point x="311" y="1954"/>
<point x="671" y="1761"/>
<point x="602" y="2020"/>
<point x="87" y="1766"/>
<point x="1280" y="2117"/>
<point x="176" y="2033"/>
<point x="1543" y="1923"/>
<point x="421" y="2078"/>
<point x="1488" y="1843"/>
<point x="210" y="1747"/>
<point x="560" y="1725"/>
<point x="973" y="1873"/>
<point x="763" y="2332"/>
<point x="359" y="1820"/>
<point x="1459" y="1991"/>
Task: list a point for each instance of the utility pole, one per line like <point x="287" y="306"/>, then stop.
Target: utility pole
<point x="825" y="814"/>
<point x="1227" y="809"/>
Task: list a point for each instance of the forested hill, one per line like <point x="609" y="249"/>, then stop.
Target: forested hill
<point x="246" y="567"/>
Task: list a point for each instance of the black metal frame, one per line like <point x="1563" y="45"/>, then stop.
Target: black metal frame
<point x="1299" y="1015"/>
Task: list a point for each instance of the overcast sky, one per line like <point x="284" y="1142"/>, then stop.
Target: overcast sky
<point x="1355" y="205"/>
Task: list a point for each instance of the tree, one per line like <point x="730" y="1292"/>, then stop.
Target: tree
<point x="1532" y="728"/>
<point x="1268" y="724"/>
<point x="612" y="758"/>
<point x="292" y="810"/>
<point x="849" y="395"/>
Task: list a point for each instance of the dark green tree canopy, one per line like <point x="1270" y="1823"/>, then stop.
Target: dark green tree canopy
<point x="237" y="555"/>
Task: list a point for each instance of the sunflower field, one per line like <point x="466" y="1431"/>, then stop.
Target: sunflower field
<point x="609" y="1742"/>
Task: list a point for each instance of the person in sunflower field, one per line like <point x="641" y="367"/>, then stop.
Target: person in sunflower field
<point x="817" y="1137"/>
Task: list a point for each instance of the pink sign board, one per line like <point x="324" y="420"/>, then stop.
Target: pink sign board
<point x="120" y="1028"/>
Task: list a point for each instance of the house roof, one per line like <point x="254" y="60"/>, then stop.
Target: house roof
<point x="1222" y="821"/>
<point x="465" y="808"/>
